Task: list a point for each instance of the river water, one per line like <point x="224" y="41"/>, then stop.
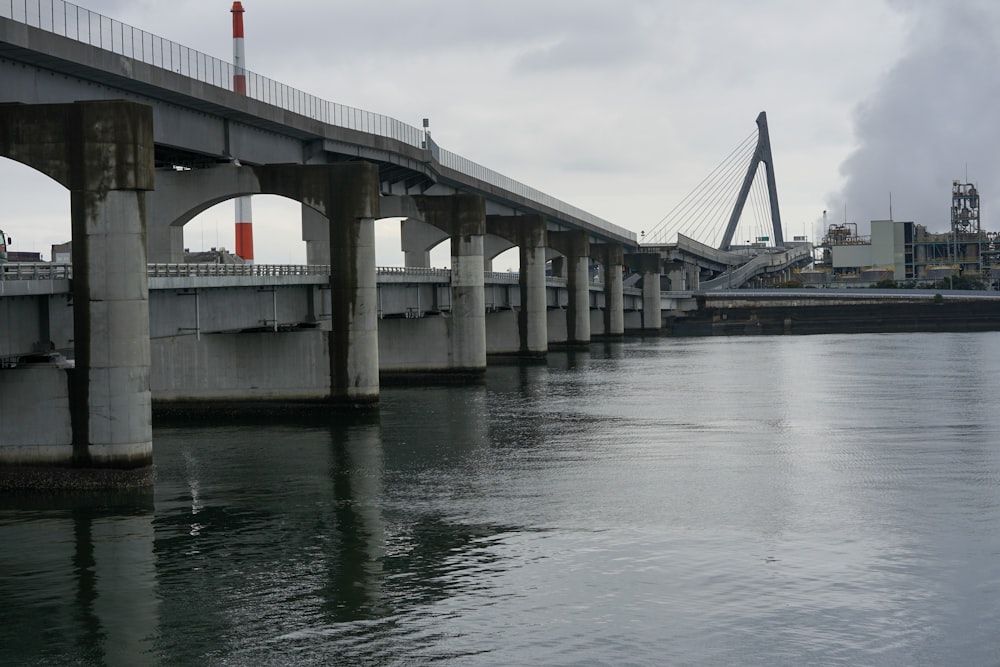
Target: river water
<point x="705" y="501"/>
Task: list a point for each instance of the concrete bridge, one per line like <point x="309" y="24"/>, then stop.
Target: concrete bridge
<point x="145" y="134"/>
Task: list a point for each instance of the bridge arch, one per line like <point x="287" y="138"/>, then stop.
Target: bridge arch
<point x="181" y="196"/>
<point x="344" y="197"/>
<point x="31" y="194"/>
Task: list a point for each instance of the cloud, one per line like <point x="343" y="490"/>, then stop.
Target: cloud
<point x="931" y="118"/>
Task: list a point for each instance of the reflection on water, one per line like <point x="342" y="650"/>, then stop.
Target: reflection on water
<point x="766" y="501"/>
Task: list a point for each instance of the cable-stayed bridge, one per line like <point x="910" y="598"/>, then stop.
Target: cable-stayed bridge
<point x="729" y="225"/>
<point x="735" y="205"/>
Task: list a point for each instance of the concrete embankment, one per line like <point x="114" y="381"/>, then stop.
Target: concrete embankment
<point x="860" y="318"/>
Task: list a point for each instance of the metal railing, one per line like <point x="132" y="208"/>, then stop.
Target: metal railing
<point x="35" y="271"/>
<point x="77" y="23"/>
<point x="412" y="271"/>
<point x="264" y="270"/>
<point x="46" y="271"/>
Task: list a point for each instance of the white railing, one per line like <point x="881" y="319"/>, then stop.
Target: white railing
<point x="82" y="25"/>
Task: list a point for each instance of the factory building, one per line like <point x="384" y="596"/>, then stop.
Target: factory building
<point x="906" y="252"/>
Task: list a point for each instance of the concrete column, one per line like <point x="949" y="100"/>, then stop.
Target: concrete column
<point x="103" y="152"/>
<point x="354" y="299"/>
<point x="533" y="320"/>
<point x="693" y="273"/>
<point x="468" y="303"/>
<point x="110" y="396"/>
<point x="353" y="208"/>
<point x="529" y="233"/>
<point x="109" y="392"/>
<point x="347" y="195"/>
<point x="464" y="217"/>
<point x="652" y="308"/>
<point x="677" y="275"/>
<point x="610" y="255"/>
<point x="575" y="246"/>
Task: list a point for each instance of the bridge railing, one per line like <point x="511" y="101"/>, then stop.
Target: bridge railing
<point x="267" y="270"/>
<point x="35" y="271"/>
<point x="77" y="23"/>
<point x="46" y="271"/>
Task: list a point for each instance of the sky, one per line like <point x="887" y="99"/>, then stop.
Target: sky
<point x="619" y="107"/>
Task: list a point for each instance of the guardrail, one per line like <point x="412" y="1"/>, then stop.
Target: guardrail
<point x="35" y="271"/>
<point x="267" y="270"/>
<point x="77" y="23"/>
<point x="412" y="271"/>
<point x="46" y="271"/>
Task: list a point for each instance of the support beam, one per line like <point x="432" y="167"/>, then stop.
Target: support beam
<point x="417" y="238"/>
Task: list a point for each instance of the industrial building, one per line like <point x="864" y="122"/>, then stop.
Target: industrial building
<point x="905" y="252"/>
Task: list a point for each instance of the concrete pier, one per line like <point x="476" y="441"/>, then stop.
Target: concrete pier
<point x="340" y="203"/>
<point x="611" y="258"/>
<point x="649" y="265"/>
<point x="528" y="232"/>
<point x="463" y="217"/>
<point x="575" y="248"/>
<point x="103" y="153"/>
<point x="347" y="194"/>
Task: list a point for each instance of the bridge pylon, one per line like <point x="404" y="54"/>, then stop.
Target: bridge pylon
<point x="762" y="154"/>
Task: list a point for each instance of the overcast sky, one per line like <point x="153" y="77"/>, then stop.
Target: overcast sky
<point x="620" y="107"/>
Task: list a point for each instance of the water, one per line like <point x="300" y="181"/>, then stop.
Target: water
<point x="709" y="501"/>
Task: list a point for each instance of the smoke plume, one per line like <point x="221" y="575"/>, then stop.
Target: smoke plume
<point x="931" y="121"/>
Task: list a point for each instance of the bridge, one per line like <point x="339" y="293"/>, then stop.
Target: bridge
<point x="146" y="134"/>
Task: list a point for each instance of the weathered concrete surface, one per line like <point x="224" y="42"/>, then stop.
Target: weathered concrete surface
<point x="528" y="232"/>
<point x="241" y="366"/>
<point x="649" y="265"/>
<point x="463" y="217"/>
<point x="35" y="425"/>
<point x="610" y="256"/>
<point x="340" y="203"/>
<point x="415" y="346"/>
<point x="502" y="336"/>
<point x="575" y="248"/>
<point x="102" y="152"/>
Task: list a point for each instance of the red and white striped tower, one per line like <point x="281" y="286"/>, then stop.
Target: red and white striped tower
<point x="244" y="216"/>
